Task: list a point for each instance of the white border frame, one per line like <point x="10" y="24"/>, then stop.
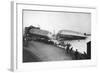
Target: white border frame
<point x="16" y="51"/>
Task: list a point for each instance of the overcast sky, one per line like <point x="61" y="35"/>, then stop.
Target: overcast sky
<point x="51" y="21"/>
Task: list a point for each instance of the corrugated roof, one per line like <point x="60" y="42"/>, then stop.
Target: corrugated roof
<point x="39" y="32"/>
<point x="70" y="32"/>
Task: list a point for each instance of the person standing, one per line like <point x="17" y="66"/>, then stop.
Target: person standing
<point x="76" y="54"/>
<point x="68" y="46"/>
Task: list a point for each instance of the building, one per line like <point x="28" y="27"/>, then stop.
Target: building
<point x="76" y="39"/>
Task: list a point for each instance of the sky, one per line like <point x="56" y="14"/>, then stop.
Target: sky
<point x="55" y="21"/>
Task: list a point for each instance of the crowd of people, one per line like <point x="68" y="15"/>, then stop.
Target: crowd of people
<point x="75" y="54"/>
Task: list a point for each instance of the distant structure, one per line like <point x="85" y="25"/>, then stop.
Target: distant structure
<point x="37" y="33"/>
<point x="70" y="35"/>
<point x="76" y="39"/>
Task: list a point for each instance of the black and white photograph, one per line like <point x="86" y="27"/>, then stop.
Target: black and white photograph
<point x="50" y="36"/>
<point x="55" y="35"/>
